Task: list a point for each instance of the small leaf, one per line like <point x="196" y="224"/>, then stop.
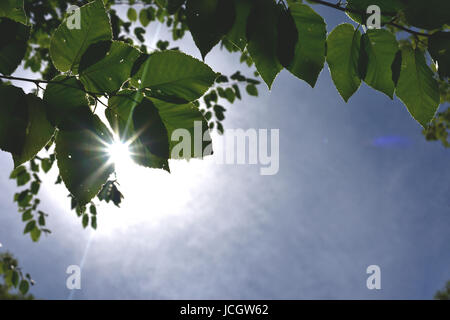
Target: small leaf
<point x="85" y="221"/>
<point x="30" y="226"/>
<point x="132" y="14"/>
<point x="252" y="90"/>
<point x="439" y="48"/>
<point x="68" y="45"/>
<point x="24" y="287"/>
<point x="15" y="279"/>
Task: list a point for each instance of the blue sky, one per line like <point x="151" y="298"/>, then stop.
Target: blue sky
<point x="358" y="185"/>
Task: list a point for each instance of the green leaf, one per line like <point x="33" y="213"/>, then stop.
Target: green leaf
<point x="68" y="45"/>
<point x="35" y="186"/>
<point x="174" y="5"/>
<point x="13" y="44"/>
<point x="310" y="49"/>
<point x="29" y="226"/>
<point x="439" y="48"/>
<point x="35" y="234"/>
<point x="389" y="9"/>
<point x="93" y="209"/>
<point x="94" y="222"/>
<point x="46" y="165"/>
<point x="24" y="287"/>
<point x="144" y="17"/>
<point x="342" y="58"/>
<point x="120" y="117"/>
<point x="238" y="33"/>
<point x="83" y="159"/>
<point x="38" y="133"/>
<point x="14" y="119"/>
<point x="132" y="14"/>
<point x="378" y="51"/>
<point x="85" y="221"/>
<point x="152" y="132"/>
<point x="252" y="90"/>
<point x="209" y="21"/>
<point x="287" y="36"/>
<point x="66" y="101"/>
<point x="13" y="9"/>
<point x="185" y="116"/>
<point x="262" y="39"/>
<point x="417" y="87"/>
<point x="173" y="74"/>
<point x="27" y="215"/>
<point x="430" y="14"/>
<point x="108" y="74"/>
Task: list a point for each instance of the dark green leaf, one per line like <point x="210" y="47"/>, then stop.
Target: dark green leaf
<point x="13" y="44"/>
<point x="30" y="226"/>
<point x="13" y="9"/>
<point x="430" y="14"/>
<point x="14" y="119"/>
<point x="83" y="159"/>
<point x="66" y="101"/>
<point x="389" y="8"/>
<point x="38" y="133"/>
<point x="310" y="49"/>
<point x="24" y="287"/>
<point x="209" y="21"/>
<point x="252" y="90"/>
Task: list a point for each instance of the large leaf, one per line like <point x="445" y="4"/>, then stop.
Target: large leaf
<point x="13" y="44"/>
<point x="378" y="50"/>
<point x="262" y="39"/>
<point x="310" y="49"/>
<point x="83" y="159"/>
<point x="209" y="21"/>
<point x="66" y="101"/>
<point x="439" y="48"/>
<point x="174" y="74"/>
<point x="150" y="128"/>
<point x="238" y="33"/>
<point x="108" y="74"/>
<point x="13" y="120"/>
<point x="13" y="9"/>
<point x="389" y="8"/>
<point x="188" y="117"/>
<point x="416" y="86"/>
<point x="120" y="116"/>
<point x="38" y="132"/>
<point x="68" y="45"/>
<point x="430" y="14"/>
<point x="342" y="58"/>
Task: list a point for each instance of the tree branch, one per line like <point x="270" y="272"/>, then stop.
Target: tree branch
<point x="346" y="9"/>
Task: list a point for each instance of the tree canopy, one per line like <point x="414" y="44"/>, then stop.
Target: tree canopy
<point x="89" y="57"/>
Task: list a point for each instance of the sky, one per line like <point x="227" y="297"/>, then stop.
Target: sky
<point x="357" y="185"/>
